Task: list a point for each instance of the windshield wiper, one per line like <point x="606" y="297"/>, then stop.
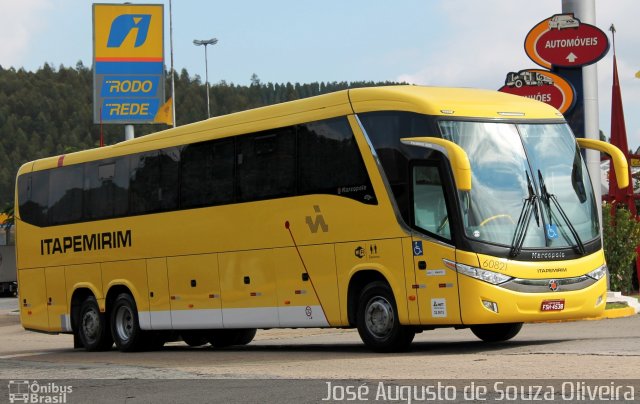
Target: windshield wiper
<point x="530" y="206"/>
<point x="546" y="197"/>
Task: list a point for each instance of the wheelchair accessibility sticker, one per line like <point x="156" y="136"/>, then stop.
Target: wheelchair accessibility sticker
<point x="552" y="231"/>
<point x="417" y="248"/>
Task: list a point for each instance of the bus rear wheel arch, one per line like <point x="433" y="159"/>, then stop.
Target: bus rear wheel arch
<point x="496" y="332"/>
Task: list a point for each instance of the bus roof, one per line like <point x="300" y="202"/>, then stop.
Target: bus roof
<point x="453" y="102"/>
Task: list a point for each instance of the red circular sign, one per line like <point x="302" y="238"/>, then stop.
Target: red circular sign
<point x="563" y="41"/>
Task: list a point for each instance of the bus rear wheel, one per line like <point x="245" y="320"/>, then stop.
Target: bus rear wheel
<point x="496" y="332"/>
<point x="225" y="338"/>
<point x="377" y="320"/>
<point x="125" y="326"/>
<point x="93" y="327"/>
<point x="194" y="338"/>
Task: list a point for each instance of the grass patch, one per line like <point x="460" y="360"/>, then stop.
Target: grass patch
<point x="616" y="305"/>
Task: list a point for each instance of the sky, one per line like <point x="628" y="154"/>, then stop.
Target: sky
<point x="453" y="43"/>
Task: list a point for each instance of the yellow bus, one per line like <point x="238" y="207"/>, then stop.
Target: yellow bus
<point x="392" y="210"/>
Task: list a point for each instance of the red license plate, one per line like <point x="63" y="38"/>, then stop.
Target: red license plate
<point x="552" y="305"/>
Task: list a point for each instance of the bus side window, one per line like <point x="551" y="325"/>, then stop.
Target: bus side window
<point x="206" y="175"/>
<point x="154" y="179"/>
<point x="65" y="194"/>
<point x="266" y="164"/>
<point x="33" y="194"/>
<point x="106" y="188"/>
<point x="329" y="159"/>
<point x="430" y="208"/>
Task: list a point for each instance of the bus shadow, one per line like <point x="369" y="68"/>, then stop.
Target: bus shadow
<point x="329" y="350"/>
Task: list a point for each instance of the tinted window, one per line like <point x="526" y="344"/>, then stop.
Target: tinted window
<point x="318" y="157"/>
<point x="266" y="165"/>
<point x="65" y="194"/>
<point x="385" y="129"/>
<point x="330" y="161"/>
<point x="106" y="185"/>
<point x="154" y="181"/>
<point x="33" y="194"/>
<point x="207" y="174"/>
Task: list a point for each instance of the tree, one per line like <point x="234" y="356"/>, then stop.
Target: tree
<point x="621" y="236"/>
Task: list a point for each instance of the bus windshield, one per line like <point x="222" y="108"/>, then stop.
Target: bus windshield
<point x="515" y="164"/>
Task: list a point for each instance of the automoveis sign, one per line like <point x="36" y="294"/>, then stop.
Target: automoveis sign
<point x="543" y="86"/>
<point x="563" y="41"/>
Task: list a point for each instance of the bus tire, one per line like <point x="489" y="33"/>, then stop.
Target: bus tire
<point x="194" y="338"/>
<point x="93" y="327"/>
<point x="496" y="332"/>
<point x="125" y="326"/>
<point x="225" y="338"/>
<point x="155" y="340"/>
<point x="377" y="320"/>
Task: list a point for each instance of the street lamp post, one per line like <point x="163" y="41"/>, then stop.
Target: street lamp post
<point x="206" y="42"/>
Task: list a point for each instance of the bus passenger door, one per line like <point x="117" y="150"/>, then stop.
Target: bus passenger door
<point x="436" y="285"/>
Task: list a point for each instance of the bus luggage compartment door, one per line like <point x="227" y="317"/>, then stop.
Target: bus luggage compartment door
<point x="32" y="291"/>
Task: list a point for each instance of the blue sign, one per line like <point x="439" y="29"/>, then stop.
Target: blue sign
<point x="130" y="86"/>
<point x="552" y="231"/>
<point x="417" y="249"/>
<point x="129" y="109"/>
<point x="123" y="24"/>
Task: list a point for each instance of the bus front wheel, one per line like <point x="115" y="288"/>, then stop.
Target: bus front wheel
<point x="496" y="332"/>
<point x="125" y="326"/>
<point x="377" y="320"/>
<point x="92" y="327"/>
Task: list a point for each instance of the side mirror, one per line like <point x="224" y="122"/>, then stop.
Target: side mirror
<point x="455" y="154"/>
<point x="620" y="164"/>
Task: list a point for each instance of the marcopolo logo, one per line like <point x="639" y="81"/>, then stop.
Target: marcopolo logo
<point x="124" y="24"/>
<point x="24" y="391"/>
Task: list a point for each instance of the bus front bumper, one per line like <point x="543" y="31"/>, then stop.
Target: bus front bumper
<point x="484" y="303"/>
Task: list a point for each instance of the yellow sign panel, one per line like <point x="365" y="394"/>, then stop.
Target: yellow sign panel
<point x="128" y="32"/>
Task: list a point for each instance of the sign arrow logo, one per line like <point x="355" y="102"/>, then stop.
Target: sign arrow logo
<point x="571" y="57"/>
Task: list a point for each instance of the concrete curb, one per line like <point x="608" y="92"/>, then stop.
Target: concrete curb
<point x="617" y="297"/>
<point x="618" y="313"/>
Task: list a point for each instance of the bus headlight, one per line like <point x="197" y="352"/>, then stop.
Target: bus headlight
<point x="491" y="277"/>
<point x="598" y="273"/>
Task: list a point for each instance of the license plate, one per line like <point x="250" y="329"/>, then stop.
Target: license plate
<point x="552" y="305"/>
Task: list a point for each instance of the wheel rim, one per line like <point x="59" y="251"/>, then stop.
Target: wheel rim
<point x="91" y="325"/>
<point x="124" y="323"/>
<point x="379" y="317"/>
